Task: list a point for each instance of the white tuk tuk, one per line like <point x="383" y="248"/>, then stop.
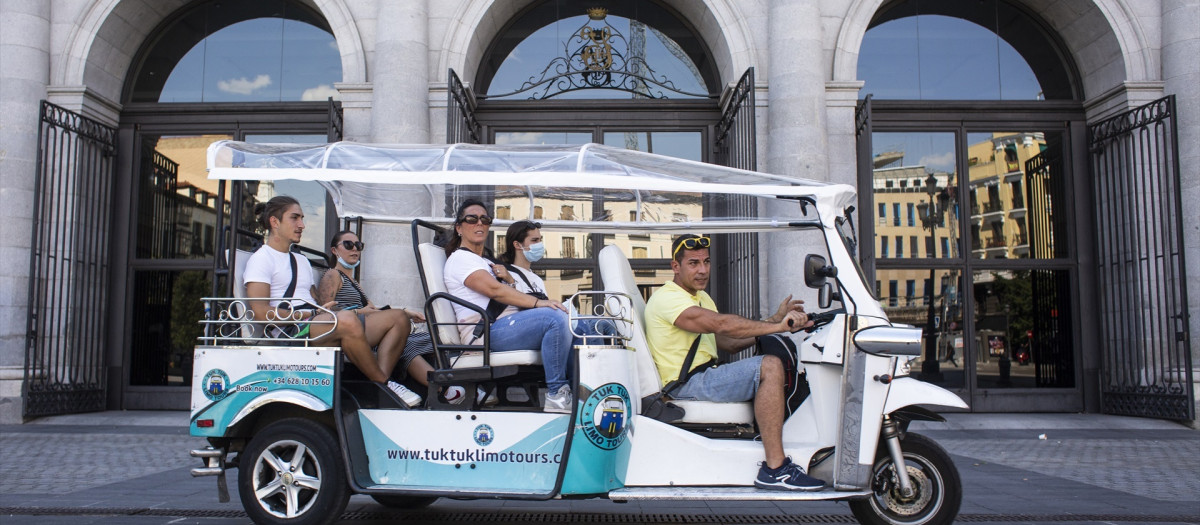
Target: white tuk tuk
<point x="305" y="431"/>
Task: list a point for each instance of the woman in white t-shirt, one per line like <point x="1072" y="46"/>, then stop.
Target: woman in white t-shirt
<point x="269" y="273"/>
<point x="529" y="322"/>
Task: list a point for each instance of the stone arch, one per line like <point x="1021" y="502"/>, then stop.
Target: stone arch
<point x="1105" y="58"/>
<point x="478" y="22"/>
<point x="102" y="45"/>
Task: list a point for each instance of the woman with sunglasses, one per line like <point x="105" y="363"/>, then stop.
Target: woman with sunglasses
<point x="386" y="329"/>
<point x="533" y="323"/>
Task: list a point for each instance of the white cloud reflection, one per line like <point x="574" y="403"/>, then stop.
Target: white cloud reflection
<point x="319" y="93"/>
<point x="244" y="86"/>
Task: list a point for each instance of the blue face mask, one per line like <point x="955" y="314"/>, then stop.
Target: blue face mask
<point x="535" y="251"/>
<point x="343" y="262"/>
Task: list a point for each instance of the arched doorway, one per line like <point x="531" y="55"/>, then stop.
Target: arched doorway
<point x="629" y="74"/>
<point x="258" y="72"/>
<point x="978" y="197"/>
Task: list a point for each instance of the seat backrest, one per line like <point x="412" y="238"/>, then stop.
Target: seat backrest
<point x="239" y="291"/>
<point x="433" y="262"/>
<point x="618" y="277"/>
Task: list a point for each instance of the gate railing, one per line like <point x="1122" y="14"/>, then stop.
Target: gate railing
<point x="461" y="125"/>
<point x="736" y="254"/>
<point x="69" y="264"/>
<point x="1146" y="368"/>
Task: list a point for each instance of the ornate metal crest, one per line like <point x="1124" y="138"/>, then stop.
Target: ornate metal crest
<point x="598" y="56"/>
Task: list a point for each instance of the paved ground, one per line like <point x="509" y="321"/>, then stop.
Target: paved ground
<point x="132" y="467"/>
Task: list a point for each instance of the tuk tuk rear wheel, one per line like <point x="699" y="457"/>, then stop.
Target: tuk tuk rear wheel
<point x="403" y="502"/>
<point x="937" y="488"/>
<point x="291" y="474"/>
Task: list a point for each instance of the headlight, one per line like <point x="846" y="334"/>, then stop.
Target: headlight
<point x="903" y="366"/>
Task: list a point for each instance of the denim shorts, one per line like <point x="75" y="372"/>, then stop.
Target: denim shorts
<point x="727" y="383"/>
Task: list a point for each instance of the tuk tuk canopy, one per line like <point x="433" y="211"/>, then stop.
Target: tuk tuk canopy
<point x="606" y="189"/>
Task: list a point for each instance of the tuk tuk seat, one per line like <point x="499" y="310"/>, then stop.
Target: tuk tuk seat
<point x="617" y="275"/>
<point x="441" y="318"/>
<point x="249" y="330"/>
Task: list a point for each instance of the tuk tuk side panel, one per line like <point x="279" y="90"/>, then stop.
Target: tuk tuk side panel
<point x="600" y="447"/>
<point x="230" y="382"/>
<point x="494" y="452"/>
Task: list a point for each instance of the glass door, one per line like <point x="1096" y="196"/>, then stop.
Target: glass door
<point x="974" y="248"/>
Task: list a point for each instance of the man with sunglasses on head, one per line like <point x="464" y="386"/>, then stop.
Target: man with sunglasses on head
<point x="681" y="314"/>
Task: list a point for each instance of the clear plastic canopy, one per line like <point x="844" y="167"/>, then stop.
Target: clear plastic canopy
<point x="607" y="188"/>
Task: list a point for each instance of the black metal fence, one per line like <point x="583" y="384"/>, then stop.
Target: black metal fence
<point x="461" y="125"/>
<point x="735" y="279"/>
<point x="1146" y="368"/>
<point x="69" y="264"/>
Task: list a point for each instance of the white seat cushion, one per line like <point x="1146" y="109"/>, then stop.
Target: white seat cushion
<point x="433" y="262"/>
<point x="618" y="277"/>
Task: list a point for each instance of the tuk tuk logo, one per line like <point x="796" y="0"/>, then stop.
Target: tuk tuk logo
<point x="484" y="435"/>
<point x="216" y="384"/>
<point x="605" y="415"/>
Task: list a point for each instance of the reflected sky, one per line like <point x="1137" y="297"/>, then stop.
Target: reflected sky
<point x="265" y="59"/>
<point x="934" y="57"/>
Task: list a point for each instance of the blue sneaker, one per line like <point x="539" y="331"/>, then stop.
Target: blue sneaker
<point x="789" y="476"/>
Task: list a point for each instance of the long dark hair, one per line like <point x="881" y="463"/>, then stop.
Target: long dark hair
<point x="275" y="207"/>
<point x="456" y="239"/>
<point x="337" y="238"/>
<point x="518" y="232"/>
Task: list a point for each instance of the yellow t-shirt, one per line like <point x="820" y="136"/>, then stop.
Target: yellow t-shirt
<point x="668" y="343"/>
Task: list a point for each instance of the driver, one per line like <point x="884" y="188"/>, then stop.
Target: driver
<point x="681" y="312"/>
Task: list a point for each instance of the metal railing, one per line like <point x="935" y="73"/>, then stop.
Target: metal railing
<point x="230" y="321"/>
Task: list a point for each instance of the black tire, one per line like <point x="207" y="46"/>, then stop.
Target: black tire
<point x="299" y="459"/>
<point x="403" y="502"/>
<point x="938" y="488"/>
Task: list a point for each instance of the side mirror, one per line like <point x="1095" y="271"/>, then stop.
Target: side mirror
<point x="825" y="297"/>
<point x="815" y="271"/>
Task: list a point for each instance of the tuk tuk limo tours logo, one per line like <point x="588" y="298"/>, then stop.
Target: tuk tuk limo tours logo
<point x="605" y="415"/>
<point x="216" y="384"/>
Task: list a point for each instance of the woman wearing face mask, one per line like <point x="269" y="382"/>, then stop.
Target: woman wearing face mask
<point x="539" y="323"/>
<point x="526" y="246"/>
<point x="387" y="329"/>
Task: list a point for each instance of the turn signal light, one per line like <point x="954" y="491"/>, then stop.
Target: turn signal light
<point x="204" y="423"/>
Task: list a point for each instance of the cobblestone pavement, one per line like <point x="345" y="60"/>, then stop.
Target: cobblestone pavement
<point x="1096" y="470"/>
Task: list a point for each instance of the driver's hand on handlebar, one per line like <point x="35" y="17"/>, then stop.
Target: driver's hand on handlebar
<point x="795" y="321"/>
<point x="789" y="305"/>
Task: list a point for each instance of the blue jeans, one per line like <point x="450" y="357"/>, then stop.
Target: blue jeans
<point x="727" y="383"/>
<point x="537" y="328"/>
<point x="593" y="327"/>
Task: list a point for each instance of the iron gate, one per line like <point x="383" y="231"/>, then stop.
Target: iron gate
<point x="735" y="255"/>
<point x="69" y="264"/>
<point x="461" y="126"/>
<point x="1146" y="356"/>
<point x="1051" y="345"/>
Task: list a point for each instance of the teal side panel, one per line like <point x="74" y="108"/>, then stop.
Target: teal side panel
<point x="599" y="456"/>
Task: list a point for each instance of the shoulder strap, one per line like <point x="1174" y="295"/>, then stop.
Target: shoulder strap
<point x="514" y="270"/>
<point x="291" y="289"/>
<point x="357" y="288"/>
<point x="684" y="372"/>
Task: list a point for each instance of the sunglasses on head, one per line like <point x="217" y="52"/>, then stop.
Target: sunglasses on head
<point x="692" y="243"/>
<point x="472" y="219"/>
<point x="530" y="225"/>
<point x="353" y="245"/>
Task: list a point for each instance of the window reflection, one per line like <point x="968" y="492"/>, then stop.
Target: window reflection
<point x="951" y="50"/>
<point x="998" y="182"/>
<point x="1023" y="329"/>
<point x="176" y="216"/>
<point x="930" y="300"/>
<point x="679" y="144"/>
<point x="270" y="50"/>
<point x="166" y="320"/>
<point x="915" y="189"/>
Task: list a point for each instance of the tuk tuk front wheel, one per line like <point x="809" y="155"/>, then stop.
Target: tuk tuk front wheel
<point x="291" y="474"/>
<point x="937" y="488"/>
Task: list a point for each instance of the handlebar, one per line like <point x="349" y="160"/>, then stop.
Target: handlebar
<point x="823" y="318"/>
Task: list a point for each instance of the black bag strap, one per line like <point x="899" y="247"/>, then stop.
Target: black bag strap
<point x="494" y="307"/>
<point x="291" y="289"/>
<point x="686" y="372"/>
<point x="514" y="270"/>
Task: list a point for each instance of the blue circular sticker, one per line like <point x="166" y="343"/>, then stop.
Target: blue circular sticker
<point x="216" y="384"/>
<point x="605" y="416"/>
<point x="484" y="435"/>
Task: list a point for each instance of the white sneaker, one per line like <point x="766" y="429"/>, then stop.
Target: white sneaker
<point x="560" y="402"/>
<point x="411" y="399"/>
<point x="455" y="395"/>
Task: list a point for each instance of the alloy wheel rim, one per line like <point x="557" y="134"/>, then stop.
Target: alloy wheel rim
<point x="287" y="479"/>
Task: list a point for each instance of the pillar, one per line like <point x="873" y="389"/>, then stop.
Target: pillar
<point x="400" y="114"/>
<point x="796" y="139"/>
<point x="1181" y="76"/>
<point x="24" y="73"/>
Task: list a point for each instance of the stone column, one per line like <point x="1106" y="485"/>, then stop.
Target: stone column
<point x="796" y="135"/>
<point x="24" y="73"/>
<point x="400" y="114"/>
<point x="1181" y="76"/>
